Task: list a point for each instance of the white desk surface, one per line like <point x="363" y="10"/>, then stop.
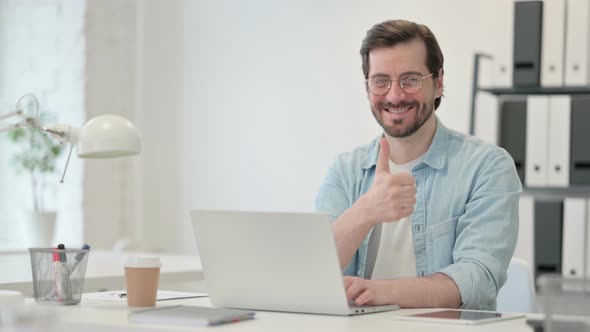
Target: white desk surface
<point x="104" y="270"/>
<point x="103" y="315"/>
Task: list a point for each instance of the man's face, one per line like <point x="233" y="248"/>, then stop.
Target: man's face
<point x="399" y="113"/>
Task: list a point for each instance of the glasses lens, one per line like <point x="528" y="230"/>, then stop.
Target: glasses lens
<point x="379" y="85"/>
<point x="411" y="83"/>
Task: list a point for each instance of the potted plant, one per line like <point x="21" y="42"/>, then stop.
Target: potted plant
<point x="36" y="155"/>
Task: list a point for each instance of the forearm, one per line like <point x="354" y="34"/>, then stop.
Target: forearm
<point x="350" y="229"/>
<point x="434" y="291"/>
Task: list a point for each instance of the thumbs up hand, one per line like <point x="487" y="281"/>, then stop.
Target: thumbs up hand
<point x="392" y="196"/>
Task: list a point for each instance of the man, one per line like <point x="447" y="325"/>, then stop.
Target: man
<point x="424" y="216"/>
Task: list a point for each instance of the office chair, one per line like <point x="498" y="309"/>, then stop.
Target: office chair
<point x="518" y="293"/>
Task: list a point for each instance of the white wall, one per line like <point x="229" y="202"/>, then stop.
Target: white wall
<point x="159" y="114"/>
<point x="266" y="94"/>
<point x="242" y="104"/>
<point x="133" y="69"/>
<point x="110" y="195"/>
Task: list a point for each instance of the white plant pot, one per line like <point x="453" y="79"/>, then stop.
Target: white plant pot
<point x="40" y="229"/>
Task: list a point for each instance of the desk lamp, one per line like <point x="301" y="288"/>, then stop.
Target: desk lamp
<point x="104" y="136"/>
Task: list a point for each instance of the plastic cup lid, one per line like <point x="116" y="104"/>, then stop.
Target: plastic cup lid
<point x="142" y="261"/>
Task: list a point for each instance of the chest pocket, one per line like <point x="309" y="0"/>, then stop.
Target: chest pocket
<point x="441" y="238"/>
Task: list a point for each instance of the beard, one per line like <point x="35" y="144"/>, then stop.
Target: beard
<point x="423" y="112"/>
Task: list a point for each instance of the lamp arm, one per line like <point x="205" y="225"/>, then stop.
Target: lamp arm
<point x="18" y="113"/>
<point x="63" y="133"/>
<point x="11" y="127"/>
<point x="12" y="114"/>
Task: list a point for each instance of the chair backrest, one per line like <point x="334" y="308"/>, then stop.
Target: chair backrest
<point x="518" y="293"/>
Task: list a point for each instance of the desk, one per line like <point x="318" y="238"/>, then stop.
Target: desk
<point x="91" y="316"/>
<point x="104" y="271"/>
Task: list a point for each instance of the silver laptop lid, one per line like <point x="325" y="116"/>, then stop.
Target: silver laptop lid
<point x="270" y="261"/>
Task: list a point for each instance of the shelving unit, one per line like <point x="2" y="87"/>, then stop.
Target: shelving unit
<point x="521" y="93"/>
<point x="544" y="226"/>
<point x="538" y="91"/>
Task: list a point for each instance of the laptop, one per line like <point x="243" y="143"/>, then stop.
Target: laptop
<point x="273" y="261"/>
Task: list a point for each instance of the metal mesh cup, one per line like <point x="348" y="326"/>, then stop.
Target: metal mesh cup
<point x="58" y="275"/>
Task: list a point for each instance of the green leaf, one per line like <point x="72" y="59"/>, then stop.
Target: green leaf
<point x="37" y="153"/>
<point x="16" y="135"/>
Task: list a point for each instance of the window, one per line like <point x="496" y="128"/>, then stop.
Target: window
<point x="43" y="47"/>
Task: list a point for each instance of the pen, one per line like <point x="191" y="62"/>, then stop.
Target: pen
<point x="70" y="269"/>
<point x="78" y="258"/>
<point x="58" y="276"/>
<point x="64" y="273"/>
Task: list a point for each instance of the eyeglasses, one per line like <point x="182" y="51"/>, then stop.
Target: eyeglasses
<point x="409" y="83"/>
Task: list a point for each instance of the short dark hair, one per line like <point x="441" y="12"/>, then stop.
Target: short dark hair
<point x="391" y="33"/>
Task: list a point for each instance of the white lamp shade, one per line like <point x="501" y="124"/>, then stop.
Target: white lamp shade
<point x="108" y="136"/>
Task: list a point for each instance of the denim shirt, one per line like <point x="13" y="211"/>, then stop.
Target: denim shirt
<point x="465" y="222"/>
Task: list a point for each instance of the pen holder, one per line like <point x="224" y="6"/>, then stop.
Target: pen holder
<point x="58" y="275"/>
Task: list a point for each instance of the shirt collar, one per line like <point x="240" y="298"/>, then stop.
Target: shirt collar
<point x="435" y="157"/>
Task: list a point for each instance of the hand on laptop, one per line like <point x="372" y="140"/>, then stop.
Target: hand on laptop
<point x="392" y="196"/>
<point x="367" y="292"/>
<point x="433" y="291"/>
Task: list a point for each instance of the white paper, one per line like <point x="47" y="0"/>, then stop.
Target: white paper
<point x="120" y="296"/>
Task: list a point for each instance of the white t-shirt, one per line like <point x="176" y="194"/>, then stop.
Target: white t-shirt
<point x="395" y="255"/>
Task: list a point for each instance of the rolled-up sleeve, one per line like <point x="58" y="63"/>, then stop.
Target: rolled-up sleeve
<point x="486" y="233"/>
<point x="334" y="199"/>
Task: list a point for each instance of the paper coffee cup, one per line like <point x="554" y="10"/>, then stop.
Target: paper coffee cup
<point x="141" y="280"/>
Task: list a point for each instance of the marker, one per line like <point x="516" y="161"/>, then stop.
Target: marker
<point x="62" y="254"/>
<point x="64" y="274"/>
<point x="57" y="256"/>
<point x="58" y="276"/>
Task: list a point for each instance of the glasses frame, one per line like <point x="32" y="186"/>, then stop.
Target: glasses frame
<point x="400" y="84"/>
